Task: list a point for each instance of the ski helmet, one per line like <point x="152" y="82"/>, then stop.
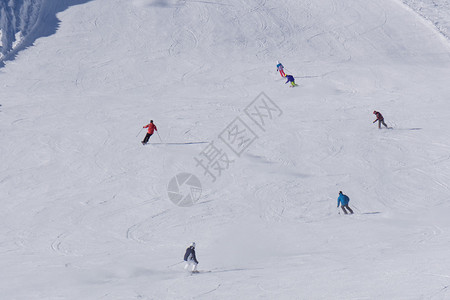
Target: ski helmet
<point x="192" y="245"/>
<point x="278" y="62"/>
<point x="374" y="112"/>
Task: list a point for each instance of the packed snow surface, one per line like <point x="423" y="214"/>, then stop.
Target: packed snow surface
<point x="86" y="212"/>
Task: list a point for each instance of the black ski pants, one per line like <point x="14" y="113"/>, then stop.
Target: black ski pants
<point x="346" y="207"/>
<point x="381" y="122"/>
<point x="147" y="136"/>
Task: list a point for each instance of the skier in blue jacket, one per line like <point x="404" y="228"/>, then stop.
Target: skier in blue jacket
<point x="290" y="79"/>
<point x="190" y="258"/>
<point x="343" y="200"/>
<point x="280" y="68"/>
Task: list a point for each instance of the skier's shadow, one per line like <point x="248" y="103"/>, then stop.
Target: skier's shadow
<point x="47" y="25"/>
<point x="409" y="129"/>
<point x="186" y="143"/>
<point x="372" y="213"/>
<point x="234" y="270"/>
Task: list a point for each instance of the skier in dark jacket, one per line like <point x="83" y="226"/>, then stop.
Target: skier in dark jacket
<point x="380" y="119"/>
<point x="343" y="200"/>
<point x="290" y="79"/>
<point x="190" y="258"/>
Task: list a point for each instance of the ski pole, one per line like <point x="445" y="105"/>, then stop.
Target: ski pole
<point x="139" y="132"/>
<point x="159" y="136"/>
<point x="288" y="71"/>
<point x="175" y="264"/>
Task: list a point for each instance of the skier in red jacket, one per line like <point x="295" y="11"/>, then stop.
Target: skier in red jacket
<point x="380" y="119"/>
<point x="151" y="128"/>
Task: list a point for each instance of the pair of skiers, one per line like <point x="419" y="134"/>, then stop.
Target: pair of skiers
<point x="191" y="259"/>
<point x="290" y="78"/>
<point x="151" y="129"/>
<point x="343" y="199"/>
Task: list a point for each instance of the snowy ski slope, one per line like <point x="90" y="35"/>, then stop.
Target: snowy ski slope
<point x="85" y="209"/>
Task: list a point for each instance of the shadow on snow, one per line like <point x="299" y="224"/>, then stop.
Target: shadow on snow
<point x="185" y="143"/>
